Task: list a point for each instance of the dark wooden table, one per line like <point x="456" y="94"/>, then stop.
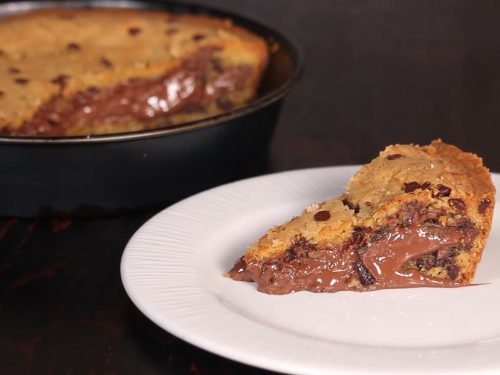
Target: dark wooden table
<point x="377" y="72"/>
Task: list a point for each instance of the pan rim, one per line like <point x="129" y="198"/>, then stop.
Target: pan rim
<point x="292" y="47"/>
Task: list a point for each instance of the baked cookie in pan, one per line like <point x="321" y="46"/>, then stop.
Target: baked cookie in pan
<point x="74" y="72"/>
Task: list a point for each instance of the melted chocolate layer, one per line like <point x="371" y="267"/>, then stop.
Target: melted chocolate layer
<point x="318" y="270"/>
<point x="189" y="88"/>
<point x="386" y="257"/>
<point x="373" y="259"/>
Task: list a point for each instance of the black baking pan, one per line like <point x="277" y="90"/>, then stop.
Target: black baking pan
<point x="106" y="174"/>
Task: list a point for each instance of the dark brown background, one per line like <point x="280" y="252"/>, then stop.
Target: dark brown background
<point x="377" y="72"/>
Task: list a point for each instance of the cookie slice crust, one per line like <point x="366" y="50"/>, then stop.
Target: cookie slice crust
<point x="414" y="216"/>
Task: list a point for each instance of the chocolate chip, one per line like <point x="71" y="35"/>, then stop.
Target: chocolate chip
<point x="73" y="47"/>
<point x="446" y="254"/>
<point x="2" y="94"/>
<point x="83" y="97"/>
<point x="105" y="63"/>
<point x="443" y="191"/>
<point x="217" y="65"/>
<point x="61" y="79"/>
<point x="2" y="53"/>
<point x="362" y="249"/>
<point x="198" y="37"/>
<point x="322" y="215"/>
<point x="457" y="203"/>
<point x="299" y="249"/>
<point x="352" y="206"/>
<point x="92" y="90"/>
<point x="394" y="156"/>
<point x="365" y="276"/>
<point x="411" y="212"/>
<point x="171" y="31"/>
<point x="21" y="81"/>
<point x="414" y="185"/>
<point x="432" y="221"/>
<point x="134" y="31"/>
<point x="427" y="262"/>
<point x="483" y="205"/>
<point x="452" y="270"/>
<point x="443" y="258"/>
<point x="295" y="251"/>
<point x="378" y="234"/>
<point x="411" y="186"/>
<point x="53" y="121"/>
<point x="465" y="223"/>
<point x="290" y="254"/>
<point x="14" y="70"/>
<point x="224" y="104"/>
<point x="357" y="235"/>
<point x="347" y="203"/>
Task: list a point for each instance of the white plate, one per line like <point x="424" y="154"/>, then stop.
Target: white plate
<point x="172" y="270"/>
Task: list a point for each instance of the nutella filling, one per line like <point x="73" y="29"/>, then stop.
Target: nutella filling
<point x="385" y="259"/>
<point x="189" y="88"/>
<point x="390" y="257"/>
<point x="314" y="269"/>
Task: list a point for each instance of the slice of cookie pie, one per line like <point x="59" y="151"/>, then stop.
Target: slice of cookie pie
<point x="414" y="216"/>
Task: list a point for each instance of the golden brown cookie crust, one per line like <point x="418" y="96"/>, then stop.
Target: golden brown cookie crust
<point x="451" y="187"/>
<point x="102" y="47"/>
